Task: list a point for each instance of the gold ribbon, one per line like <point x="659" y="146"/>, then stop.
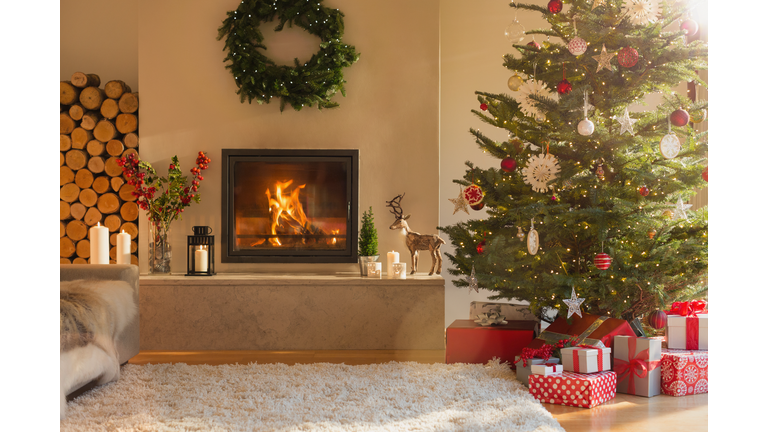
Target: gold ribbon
<point x="553" y="338"/>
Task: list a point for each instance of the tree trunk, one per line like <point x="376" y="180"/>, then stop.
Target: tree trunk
<point x="92" y="216"/>
<point x="109" y="109"/>
<point x="104" y="131"/>
<point x="66" y="175"/>
<point x="129" y="211"/>
<point x="108" y="203"/>
<point x="113" y="222"/>
<point x="126" y="123"/>
<point x="77" y="210"/>
<point x="69" y="192"/>
<point x="131" y="140"/>
<point x="82" y="80"/>
<point x="115" y="147"/>
<point x="96" y="164"/>
<point x="83" y="248"/>
<point x="129" y="103"/>
<point x="65" y="210"/>
<point x="65" y="142"/>
<point x="101" y="184"/>
<point x="66" y="124"/>
<point x="75" y="159"/>
<point x="83" y="178"/>
<point x="92" y="97"/>
<point x="80" y="137"/>
<point x="66" y="247"/>
<point x="88" y="197"/>
<point x="76" y="230"/>
<point x="69" y="93"/>
<point x="76" y="111"/>
<point x="90" y="119"/>
<point x="115" y="88"/>
<point x="94" y="147"/>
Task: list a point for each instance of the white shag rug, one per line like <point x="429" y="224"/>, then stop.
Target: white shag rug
<point x="314" y="397"/>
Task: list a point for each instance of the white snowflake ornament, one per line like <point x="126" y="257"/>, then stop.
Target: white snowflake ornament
<point x="530" y="88"/>
<point x="641" y="12"/>
<point x="541" y="170"/>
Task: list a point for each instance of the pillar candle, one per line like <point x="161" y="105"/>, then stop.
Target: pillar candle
<point x="123" y="255"/>
<point x="99" y="237"/>
<point x="392" y="257"/>
<point x="201" y="260"/>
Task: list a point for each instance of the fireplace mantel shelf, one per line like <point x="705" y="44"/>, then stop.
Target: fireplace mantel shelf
<point x="338" y="279"/>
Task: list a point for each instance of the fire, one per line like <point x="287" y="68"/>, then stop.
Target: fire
<point x="285" y="207"/>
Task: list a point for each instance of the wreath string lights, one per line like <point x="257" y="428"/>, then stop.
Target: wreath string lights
<point x="258" y="77"/>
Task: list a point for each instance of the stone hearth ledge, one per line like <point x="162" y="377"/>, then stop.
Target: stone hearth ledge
<point x="257" y="311"/>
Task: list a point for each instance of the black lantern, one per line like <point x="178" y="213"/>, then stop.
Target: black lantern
<point x="200" y="252"/>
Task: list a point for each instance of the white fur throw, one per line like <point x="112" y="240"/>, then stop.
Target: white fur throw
<point x="92" y="314"/>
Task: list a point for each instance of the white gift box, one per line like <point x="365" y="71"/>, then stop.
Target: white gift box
<point x="677" y="333"/>
<point x="524" y="371"/>
<point x="586" y="360"/>
<point x="546" y="369"/>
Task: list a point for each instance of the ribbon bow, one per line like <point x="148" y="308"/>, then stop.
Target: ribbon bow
<point x="637" y="365"/>
<point x="690" y="308"/>
<point x="545" y="352"/>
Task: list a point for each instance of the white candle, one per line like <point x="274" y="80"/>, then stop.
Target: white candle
<point x="374" y="270"/>
<point x="99" y="237"/>
<point x="123" y="255"/>
<point x="392" y="257"/>
<point x="201" y="260"/>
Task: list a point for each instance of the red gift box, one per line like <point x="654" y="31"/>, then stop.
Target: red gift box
<point x="588" y="329"/>
<point x="468" y="342"/>
<point x="574" y="389"/>
<point x="684" y="372"/>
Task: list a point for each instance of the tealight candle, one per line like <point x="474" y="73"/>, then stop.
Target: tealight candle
<point x="99" y="238"/>
<point x="123" y="252"/>
<point x="201" y="260"/>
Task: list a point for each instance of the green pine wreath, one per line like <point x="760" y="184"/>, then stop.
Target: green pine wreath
<point x="258" y="77"/>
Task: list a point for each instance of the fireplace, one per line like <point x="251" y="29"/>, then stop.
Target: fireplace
<point x="289" y="206"/>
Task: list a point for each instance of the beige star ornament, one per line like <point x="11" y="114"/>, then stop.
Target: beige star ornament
<point x="604" y="60"/>
<point x="459" y="203"/>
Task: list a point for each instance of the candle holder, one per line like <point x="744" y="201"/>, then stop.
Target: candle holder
<point x="201" y="252"/>
<point x="399" y="270"/>
<point x="374" y="270"/>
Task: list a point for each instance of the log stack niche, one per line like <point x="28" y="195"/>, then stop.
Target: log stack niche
<point x="98" y="126"/>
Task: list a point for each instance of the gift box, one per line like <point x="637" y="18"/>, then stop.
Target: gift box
<point x="509" y="311"/>
<point x="588" y="329"/>
<point x="684" y="372"/>
<point x="574" y="389"/>
<point x="468" y="342"/>
<point x="687" y="325"/>
<point x="524" y="369"/>
<point x="547" y="369"/>
<point x="637" y="363"/>
<point x="586" y="359"/>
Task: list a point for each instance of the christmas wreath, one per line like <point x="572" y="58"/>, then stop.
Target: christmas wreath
<point x="258" y="77"/>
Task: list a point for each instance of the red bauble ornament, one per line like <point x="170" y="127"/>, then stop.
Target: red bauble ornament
<point x="627" y="57"/>
<point x="481" y="247"/>
<point x="690" y="27"/>
<point x="508" y="164"/>
<point x="555" y="6"/>
<point x="483" y="106"/>
<point x="644" y="191"/>
<point x="705" y="174"/>
<point x="679" y="117"/>
<point x="534" y="44"/>
<point x="473" y="194"/>
<point x="602" y="261"/>
<point x="657" y="319"/>
<point x="478" y="206"/>
<point x="564" y="87"/>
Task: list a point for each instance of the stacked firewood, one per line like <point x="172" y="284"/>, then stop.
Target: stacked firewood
<point x="98" y="126"/>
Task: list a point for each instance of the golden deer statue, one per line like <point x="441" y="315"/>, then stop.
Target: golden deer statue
<point x="415" y="241"/>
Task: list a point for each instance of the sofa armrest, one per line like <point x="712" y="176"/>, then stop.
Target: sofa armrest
<point x="128" y="341"/>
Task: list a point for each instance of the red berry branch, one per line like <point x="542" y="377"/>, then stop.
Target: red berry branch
<point x="176" y="193"/>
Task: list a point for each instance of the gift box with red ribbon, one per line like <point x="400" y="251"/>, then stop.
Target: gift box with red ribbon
<point x="687" y="326"/>
<point x="547" y="369"/>
<point x="684" y="372"/>
<point x="588" y="329"/>
<point x="637" y="363"/>
<point x="586" y="359"/>
<point x="468" y="342"/>
<point x="529" y="357"/>
<point x="574" y="389"/>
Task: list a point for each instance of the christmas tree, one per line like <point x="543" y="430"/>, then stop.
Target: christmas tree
<point x="589" y="194"/>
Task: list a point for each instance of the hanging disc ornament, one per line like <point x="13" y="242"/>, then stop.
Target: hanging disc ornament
<point x="478" y="206"/>
<point x="690" y="27"/>
<point x="705" y="174"/>
<point x="670" y="146"/>
<point x="473" y="195"/>
<point x="644" y="191"/>
<point x="533" y="240"/>
<point x="679" y="117"/>
<point x="540" y="171"/>
<point x="627" y="57"/>
<point x="657" y="319"/>
<point x="555" y="6"/>
<point x="602" y="261"/>
<point x="514" y="82"/>
<point x="508" y="164"/>
<point x="698" y="116"/>
<point x="586" y="127"/>
<point x="577" y="46"/>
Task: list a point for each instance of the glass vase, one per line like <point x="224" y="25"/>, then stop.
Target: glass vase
<point x="159" y="248"/>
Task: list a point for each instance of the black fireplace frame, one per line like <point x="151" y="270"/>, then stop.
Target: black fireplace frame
<point x="229" y="157"/>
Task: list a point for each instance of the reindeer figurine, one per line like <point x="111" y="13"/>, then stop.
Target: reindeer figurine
<point x="415" y="241"/>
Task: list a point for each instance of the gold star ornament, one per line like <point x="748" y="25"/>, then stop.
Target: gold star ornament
<point x="604" y="60"/>
<point x="459" y="203"/>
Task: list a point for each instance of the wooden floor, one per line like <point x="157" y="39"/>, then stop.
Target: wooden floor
<point x="623" y="413"/>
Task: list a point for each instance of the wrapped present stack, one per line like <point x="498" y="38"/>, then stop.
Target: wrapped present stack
<point x="685" y="362"/>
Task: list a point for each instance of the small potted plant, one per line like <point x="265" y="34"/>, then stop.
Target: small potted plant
<point x="368" y="244"/>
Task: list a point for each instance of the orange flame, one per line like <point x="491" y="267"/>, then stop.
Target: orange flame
<point x="285" y="208"/>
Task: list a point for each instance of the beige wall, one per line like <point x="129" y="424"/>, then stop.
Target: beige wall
<point x="188" y="104"/>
